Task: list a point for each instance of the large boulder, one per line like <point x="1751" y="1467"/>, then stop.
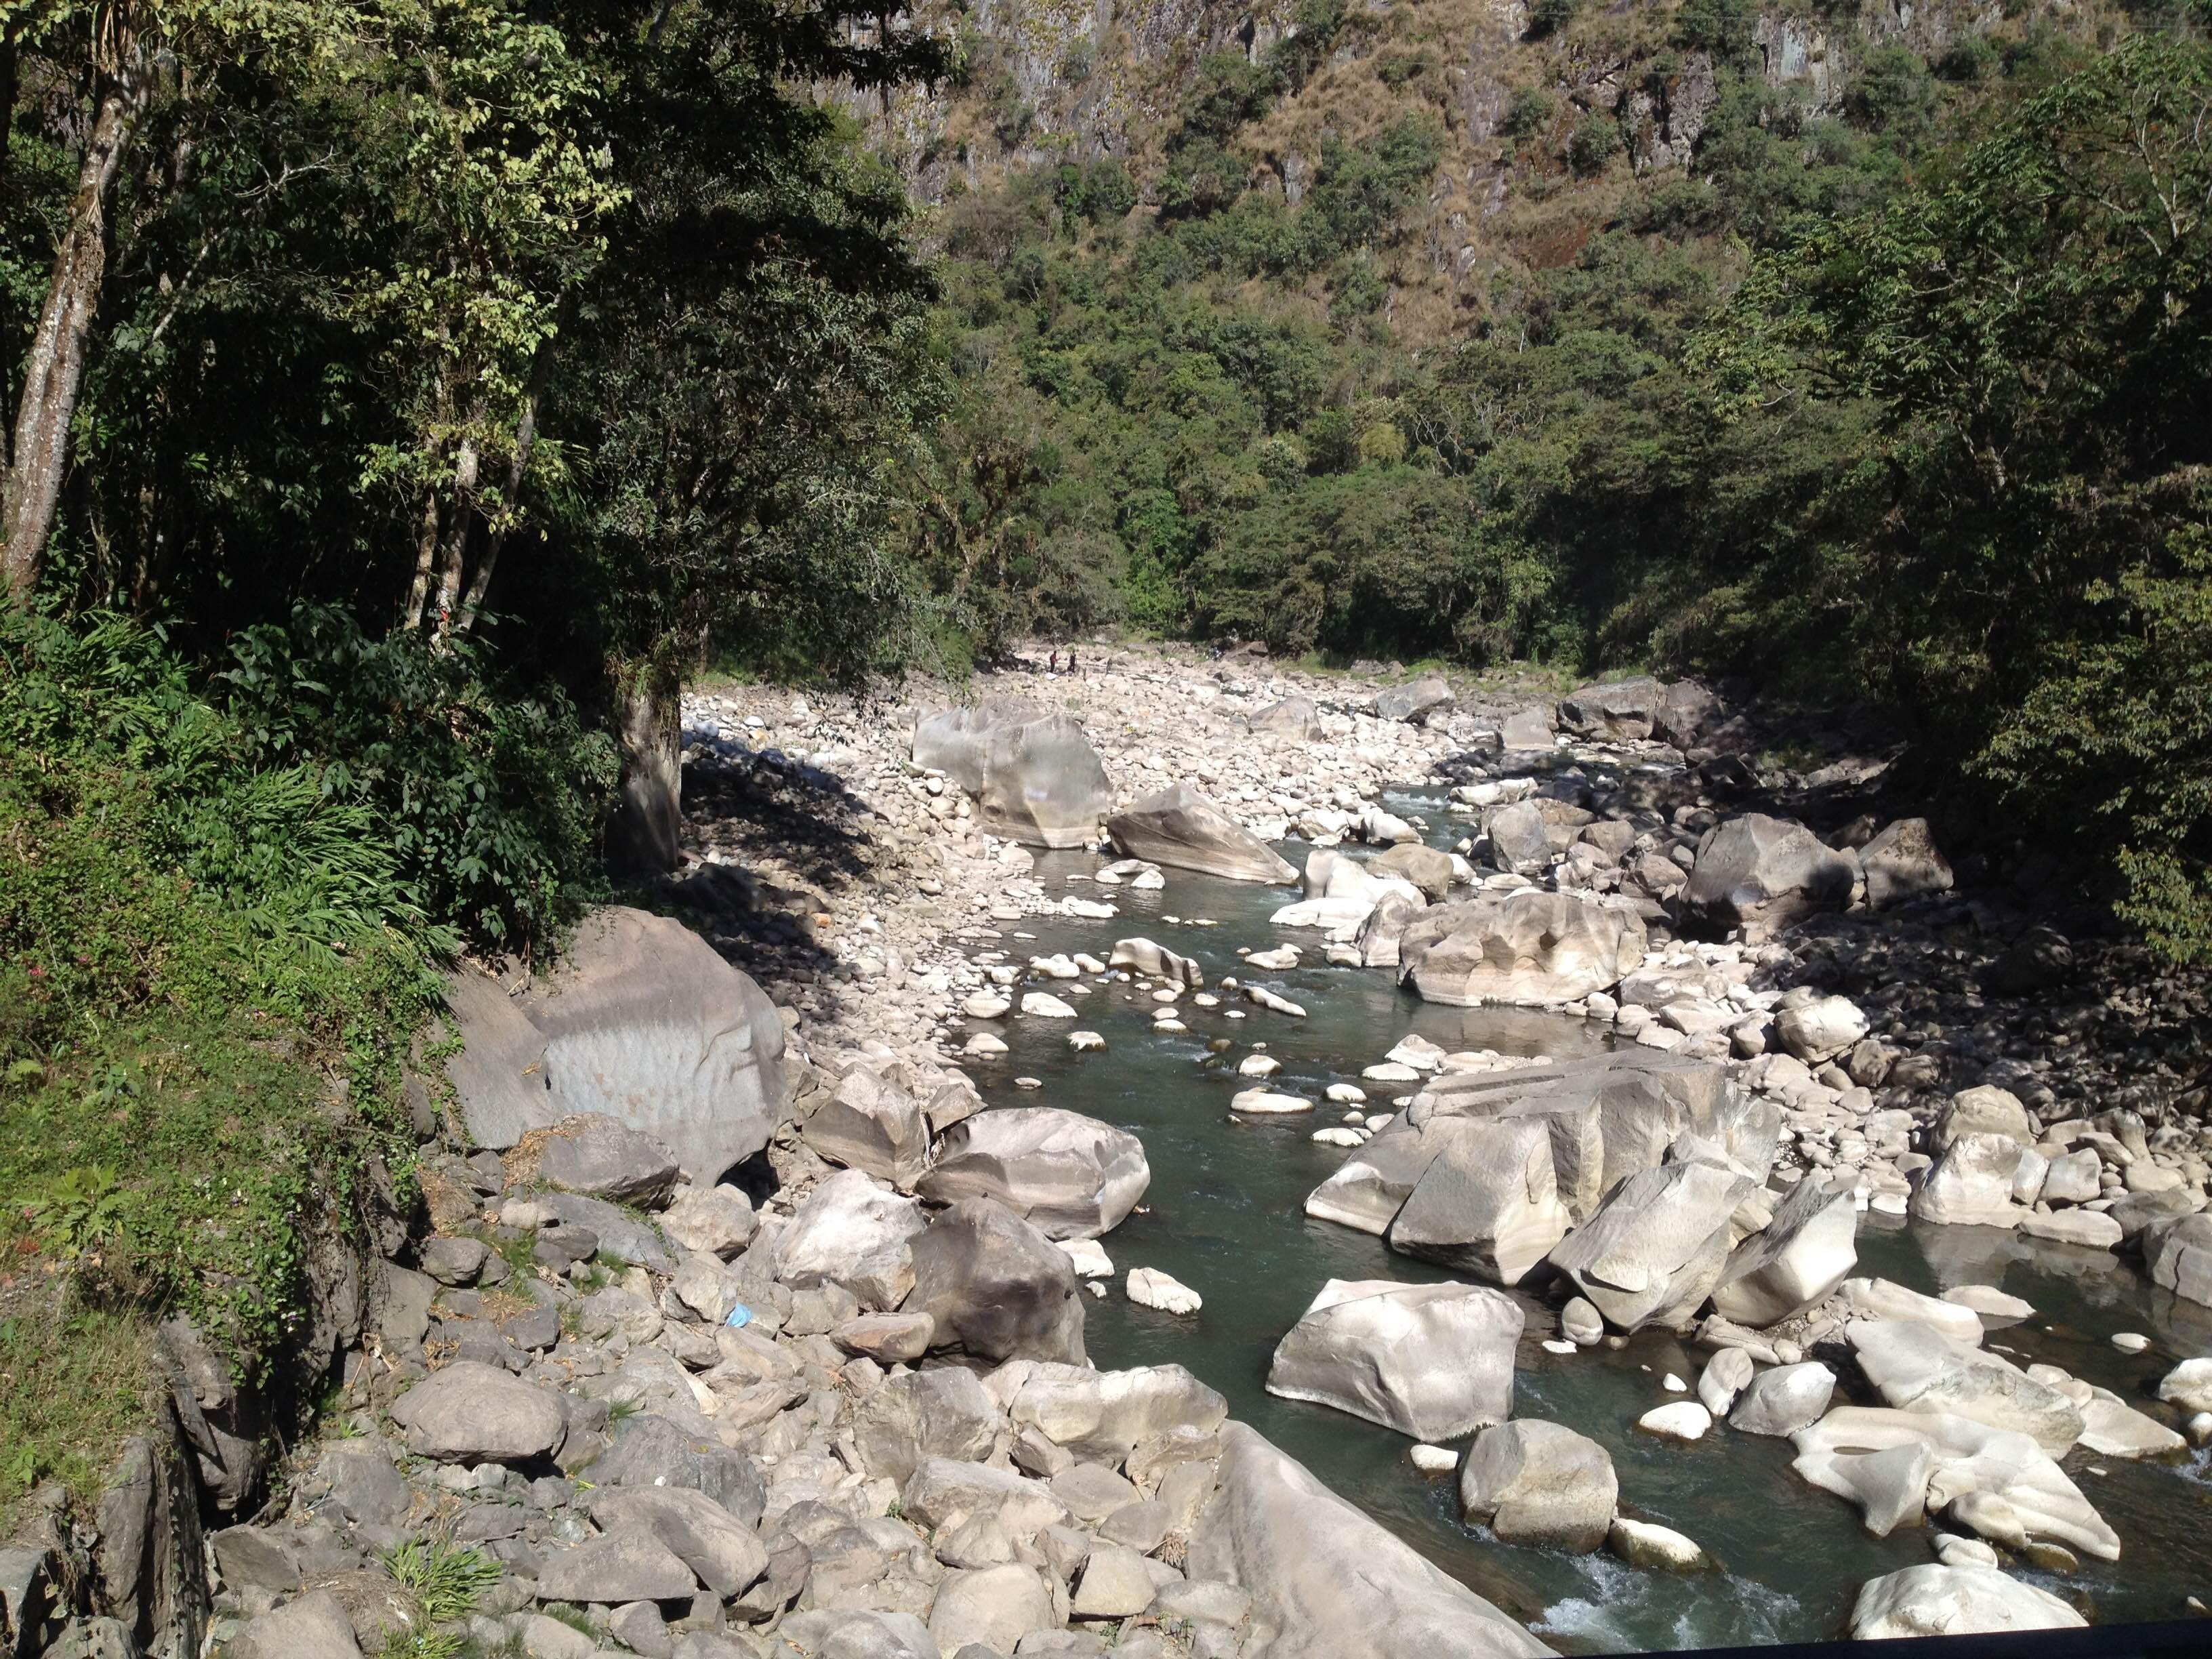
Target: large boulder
<point x="1380" y="936"/>
<point x="1783" y="1400"/>
<point x="1916" y="1368"/>
<point x="1685" y="714"/>
<point x="1541" y="1483"/>
<point x="1072" y="1176"/>
<point x="1371" y="1186"/>
<point x="1971" y="1184"/>
<point x="1656" y="1246"/>
<point x="870" y="1123"/>
<point x="940" y="1413"/>
<point x="598" y="1155"/>
<point x="1142" y="956"/>
<point x="1433" y="1361"/>
<point x="1762" y="874"/>
<point x="641" y="1022"/>
<point x="1805" y="1251"/>
<point x="1413" y="699"/>
<point x="1488" y="1203"/>
<point x="1425" y="866"/>
<point x="718" y="1547"/>
<point x="2177" y="1254"/>
<point x="1520" y="840"/>
<point x="470" y="1413"/>
<point x="1293" y="717"/>
<point x="849" y="1231"/>
<point x="1179" y="827"/>
<point x="1529" y="729"/>
<point x="1623" y="711"/>
<point x="1034" y="774"/>
<point x="1901" y="1467"/>
<point x="1935" y="1600"/>
<point x="1526" y="947"/>
<point x="1903" y="862"/>
<point x="996" y="1287"/>
<point x="1325" y="1579"/>
<point x="315" y="1625"/>
<point x="1103" y="1415"/>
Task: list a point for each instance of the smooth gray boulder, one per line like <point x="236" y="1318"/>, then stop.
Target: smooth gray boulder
<point x="1530" y="730"/>
<point x="1808" y="1250"/>
<point x="830" y="1634"/>
<point x="1413" y="699"/>
<point x="643" y="1022"/>
<point x="995" y="1606"/>
<point x="1432" y="1361"/>
<point x="620" y="1234"/>
<point x="630" y="1565"/>
<point x="1784" y="1399"/>
<point x="1763" y="875"/>
<point x="598" y="1155"/>
<point x="1488" y="1203"/>
<point x="996" y="1287"/>
<point x="1293" y="717"/>
<point x="850" y="1232"/>
<point x="1105" y="1414"/>
<point x="1621" y="712"/>
<point x="1983" y="1109"/>
<point x="1142" y="956"/>
<point x="722" y="1550"/>
<point x="1654" y="1249"/>
<point x="1904" y="862"/>
<point x="1971" y="1184"/>
<point x="940" y="1413"/>
<point x="1935" y="1600"/>
<point x="1371" y="1185"/>
<point x="1520" y="840"/>
<point x="1180" y="828"/>
<point x="1541" y="1483"/>
<point x="1425" y="866"/>
<point x="1383" y="932"/>
<point x="718" y="1220"/>
<point x="1071" y="1175"/>
<point x="1916" y="1368"/>
<point x="470" y="1413"/>
<point x="312" y="1626"/>
<point x="870" y="1123"/>
<point x="1685" y="714"/>
<point x="1035" y="777"/>
<point x="2177" y="1254"/>
<point x="1531" y="946"/>
<point x="1324" y="1578"/>
<point x="654" y="1451"/>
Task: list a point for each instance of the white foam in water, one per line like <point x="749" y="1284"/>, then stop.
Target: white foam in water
<point x="1630" y="1611"/>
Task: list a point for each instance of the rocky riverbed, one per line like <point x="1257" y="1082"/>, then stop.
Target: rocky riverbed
<point x="760" y="1316"/>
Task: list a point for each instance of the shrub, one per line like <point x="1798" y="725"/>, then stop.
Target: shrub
<point x="1594" y="141"/>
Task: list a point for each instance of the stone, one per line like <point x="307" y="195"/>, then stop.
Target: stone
<point x="1987" y="1303"/>
<point x="872" y="1125"/>
<point x="1180" y="828"/>
<point x="1918" y="1368"/>
<point x="1679" y="1419"/>
<point x="1934" y="1599"/>
<point x="1424" y="867"/>
<point x="1142" y="956"/>
<point x="1621" y="712"/>
<point x="2188" y="1385"/>
<point x="1725" y="1377"/>
<point x="720" y="1550"/>
<point x="1273" y="1531"/>
<point x="2112" y="1428"/>
<point x="1104" y="1415"/>
<point x="1972" y="1184"/>
<point x="1148" y="1287"/>
<point x="993" y="1606"/>
<point x="716" y="1220"/>
<point x="654" y="1451"/>
<point x="1784" y="1399"/>
<point x="1488" y="1203"/>
<point x="631" y="1565"/>
<point x="1818" y="1031"/>
<point x="1071" y="1175"/>
<point x="1264" y="1103"/>
<point x="851" y="1232"/>
<point x="940" y="1413"/>
<point x="1808" y="1249"/>
<point x="2090" y="1229"/>
<point x="997" y="1288"/>
<point x="890" y="1339"/>
<point x="1882" y="1298"/>
<point x="1520" y="840"/>
<point x="642" y="1021"/>
<point x="1539" y="1484"/>
<point x="1529" y="946"/>
<point x="1580" y="1322"/>
<point x="598" y="1156"/>
<point x="1529" y="729"/>
<point x="312" y="1627"/>
<point x="1432" y="1361"/>
<point x="2073" y="1178"/>
<point x="469" y="1412"/>
<point x="1411" y="701"/>
<point x="941" y="1489"/>
<point x="1762" y="875"/>
<point x="254" y="1558"/>
<point x="1293" y="717"/>
<point x="1646" y="1544"/>
<point x="1903" y="862"/>
<point x="456" y="1262"/>
<point x="1983" y="1109"/>
<point x="1685" y="713"/>
<point x="1656" y="1247"/>
<point x="830" y="1634"/>
<point x="1033" y="774"/>
<point x="2177" y="1254"/>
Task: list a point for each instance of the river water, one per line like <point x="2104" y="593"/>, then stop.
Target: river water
<point x="1224" y="1215"/>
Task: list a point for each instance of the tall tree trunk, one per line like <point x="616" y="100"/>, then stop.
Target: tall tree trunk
<point x="649" y="712"/>
<point x="426" y="559"/>
<point x="465" y="468"/>
<point x="54" y="372"/>
<point x="524" y="436"/>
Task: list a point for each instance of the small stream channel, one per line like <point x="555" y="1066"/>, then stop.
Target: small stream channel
<point x="1224" y="1215"/>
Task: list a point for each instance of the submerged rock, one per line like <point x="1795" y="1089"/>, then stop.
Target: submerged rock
<point x="1937" y="1600"/>
<point x="1541" y="1483"/>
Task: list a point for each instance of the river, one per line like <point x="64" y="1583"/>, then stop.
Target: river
<point x="1224" y="1215"/>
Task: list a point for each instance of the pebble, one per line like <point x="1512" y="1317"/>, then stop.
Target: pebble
<point x="1086" y="1043"/>
<point x="1434" y="1460"/>
<point x="1682" y="1419"/>
<point x="1554" y="1344"/>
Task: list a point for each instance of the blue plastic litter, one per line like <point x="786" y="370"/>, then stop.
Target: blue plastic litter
<point x="740" y="1316"/>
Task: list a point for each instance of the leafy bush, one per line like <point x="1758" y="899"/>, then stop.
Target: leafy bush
<point x="1527" y="112"/>
<point x="1594" y="141"/>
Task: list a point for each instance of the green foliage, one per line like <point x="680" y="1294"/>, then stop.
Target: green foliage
<point x="1527" y="112"/>
<point x="450" y="1578"/>
<point x="76" y="1385"/>
<point x="1594" y="141"/>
